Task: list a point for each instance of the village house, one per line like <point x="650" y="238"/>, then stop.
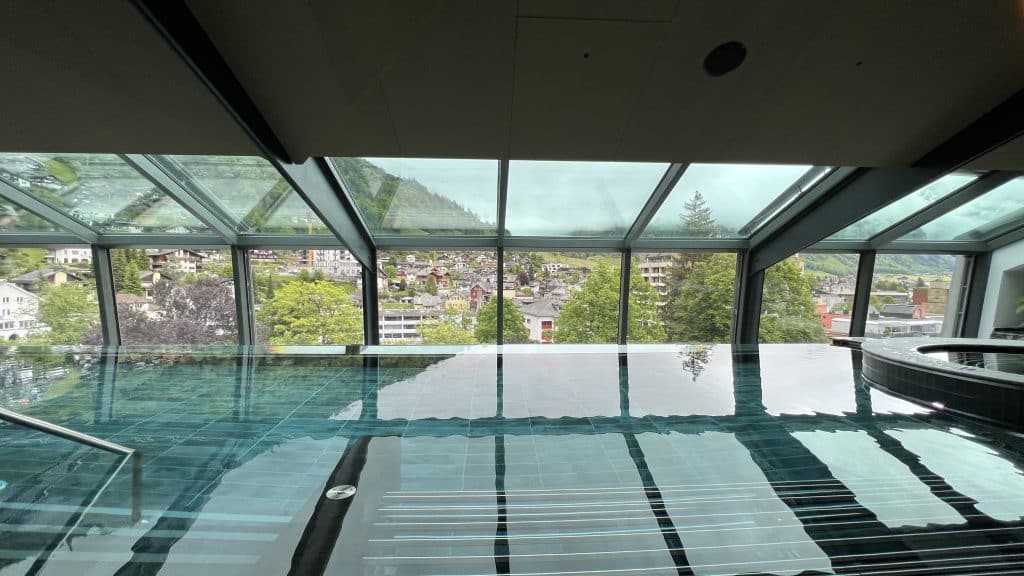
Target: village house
<point x="179" y="259"/>
<point x="33" y="281"/>
<point x="19" y="310"/>
<point x="540" y="318"/>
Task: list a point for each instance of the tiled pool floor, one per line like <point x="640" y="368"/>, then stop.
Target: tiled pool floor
<point x="660" y="460"/>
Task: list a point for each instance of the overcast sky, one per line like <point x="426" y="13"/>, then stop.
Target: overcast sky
<point x="735" y="192"/>
<point x="557" y="198"/>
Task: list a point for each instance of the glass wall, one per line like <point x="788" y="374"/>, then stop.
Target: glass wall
<point x="833" y="281"/>
<point x="792" y="308"/>
<point x="174" y="296"/>
<point x="681" y="297"/>
<point x="438" y="297"/>
<point x="909" y="295"/>
<point x="49" y="296"/>
<point x="307" y="297"/>
<point x="562" y="297"/>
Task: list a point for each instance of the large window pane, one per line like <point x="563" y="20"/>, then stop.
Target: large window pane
<point x="564" y="297"/>
<point x="681" y="297"/>
<point x="100" y="190"/>
<point x="49" y="296"/>
<point x="249" y="192"/>
<point x="789" y="312"/>
<point x="174" y="296"/>
<point x="974" y="220"/>
<point x="909" y="295"/>
<point x="418" y="196"/>
<point x="719" y="200"/>
<point x="577" y="198"/>
<point x="307" y="297"/>
<point x="904" y="207"/>
<point x="833" y="280"/>
<point x="440" y="297"/>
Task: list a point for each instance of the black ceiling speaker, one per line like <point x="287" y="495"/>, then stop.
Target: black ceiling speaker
<point x="725" y="58"/>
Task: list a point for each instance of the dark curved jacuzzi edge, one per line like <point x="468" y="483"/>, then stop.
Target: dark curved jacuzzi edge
<point x="988" y="395"/>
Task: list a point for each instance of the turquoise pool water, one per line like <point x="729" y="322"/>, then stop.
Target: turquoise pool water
<point x="541" y="460"/>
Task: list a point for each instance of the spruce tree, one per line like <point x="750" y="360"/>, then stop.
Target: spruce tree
<point x="697" y="219"/>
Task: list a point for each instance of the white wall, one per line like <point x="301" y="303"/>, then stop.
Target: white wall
<point x="1005" y="286"/>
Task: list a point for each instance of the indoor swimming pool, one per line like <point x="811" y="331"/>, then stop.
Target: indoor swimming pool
<point x="540" y="460"/>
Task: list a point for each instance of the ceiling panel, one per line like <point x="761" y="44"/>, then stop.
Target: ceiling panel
<point x="96" y="77"/>
<point x="373" y="78"/>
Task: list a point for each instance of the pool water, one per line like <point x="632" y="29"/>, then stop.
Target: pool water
<point x="541" y="460"/>
<point x="1001" y="361"/>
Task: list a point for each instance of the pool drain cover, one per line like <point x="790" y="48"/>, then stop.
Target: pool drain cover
<point x="341" y="492"/>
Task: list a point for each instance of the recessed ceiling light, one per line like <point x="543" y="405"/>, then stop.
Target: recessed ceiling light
<point x="725" y="58"/>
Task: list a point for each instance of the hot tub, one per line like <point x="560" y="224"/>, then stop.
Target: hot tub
<point x="974" y="377"/>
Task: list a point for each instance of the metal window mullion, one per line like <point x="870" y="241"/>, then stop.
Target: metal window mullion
<point x="244" y="310"/>
<point x="862" y="293"/>
<point x="500" y="274"/>
<point x="320" y="187"/>
<point x="160" y="239"/>
<point x="1009" y="237"/>
<point x="371" y="311"/>
<point x="184" y="197"/>
<point x="805" y="183"/>
<point x="661" y="192"/>
<point x="47" y="212"/>
<point x="503" y="167"/>
<point x="747" y="307"/>
<point x="976" y="282"/>
<point x="801" y="204"/>
<point x="624" y="281"/>
<point x="106" y="296"/>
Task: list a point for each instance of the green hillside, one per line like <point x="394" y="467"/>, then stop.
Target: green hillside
<point x="394" y="205"/>
<point x="909" y="264"/>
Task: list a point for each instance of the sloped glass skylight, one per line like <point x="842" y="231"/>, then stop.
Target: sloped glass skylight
<point x="99" y="190"/>
<point x="14" y="219"/>
<point x="720" y="200"/>
<point x="976" y="219"/>
<point x="577" y="198"/>
<point x="886" y="217"/>
<point x="424" y="196"/>
<point x="251" y="194"/>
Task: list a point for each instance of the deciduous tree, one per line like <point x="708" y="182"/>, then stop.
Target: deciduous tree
<point x="591" y="314"/>
<point x="513" y="323"/>
<point x="444" y="331"/>
<point x="311" y="313"/>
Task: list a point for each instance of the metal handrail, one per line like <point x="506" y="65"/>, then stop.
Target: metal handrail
<point x="74" y="436"/>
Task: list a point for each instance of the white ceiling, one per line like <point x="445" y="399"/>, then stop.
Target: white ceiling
<point x="868" y="83"/>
